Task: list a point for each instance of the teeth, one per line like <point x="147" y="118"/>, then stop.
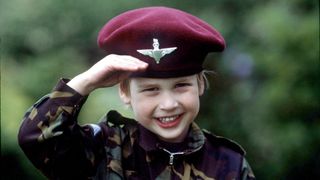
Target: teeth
<point x="168" y="119"/>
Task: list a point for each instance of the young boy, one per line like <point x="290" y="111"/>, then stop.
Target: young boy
<point x="156" y="56"/>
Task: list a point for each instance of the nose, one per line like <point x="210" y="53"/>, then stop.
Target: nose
<point x="168" y="102"/>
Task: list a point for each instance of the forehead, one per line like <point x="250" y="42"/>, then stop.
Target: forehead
<point x="147" y="81"/>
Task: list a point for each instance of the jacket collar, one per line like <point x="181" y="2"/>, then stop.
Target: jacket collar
<point x="193" y="142"/>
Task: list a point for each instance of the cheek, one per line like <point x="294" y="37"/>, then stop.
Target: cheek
<point x="191" y="101"/>
<point x="142" y="107"/>
<point x="194" y="105"/>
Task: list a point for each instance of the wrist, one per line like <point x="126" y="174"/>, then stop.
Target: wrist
<point x="81" y="84"/>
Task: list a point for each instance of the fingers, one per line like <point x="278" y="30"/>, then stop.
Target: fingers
<point x="124" y="63"/>
<point x="107" y="72"/>
<point x="114" y="68"/>
<point x="116" y="64"/>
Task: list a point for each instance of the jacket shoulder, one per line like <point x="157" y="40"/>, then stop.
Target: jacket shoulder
<point x="222" y="141"/>
<point x="115" y="118"/>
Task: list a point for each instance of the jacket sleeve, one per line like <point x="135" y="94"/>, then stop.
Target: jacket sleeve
<point x="54" y="142"/>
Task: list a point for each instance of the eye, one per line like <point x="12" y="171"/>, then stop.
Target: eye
<point x="180" y="85"/>
<point x="152" y="89"/>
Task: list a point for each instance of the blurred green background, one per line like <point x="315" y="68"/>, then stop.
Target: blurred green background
<point x="265" y="93"/>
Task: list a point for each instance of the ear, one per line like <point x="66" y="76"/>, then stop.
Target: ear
<point x="201" y="84"/>
<point x="124" y="92"/>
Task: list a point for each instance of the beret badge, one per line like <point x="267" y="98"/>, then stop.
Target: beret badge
<point x="156" y="53"/>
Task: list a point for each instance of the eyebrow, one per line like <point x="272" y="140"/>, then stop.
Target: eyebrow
<point x="147" y="85"/>
<point x="183" y="79"/>
<point x="150" y="83"/>
<point x="143" y="84"/>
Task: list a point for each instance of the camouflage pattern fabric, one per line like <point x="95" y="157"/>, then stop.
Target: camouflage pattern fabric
<point x="119" y="147"/>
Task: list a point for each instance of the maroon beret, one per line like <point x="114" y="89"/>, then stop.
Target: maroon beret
<point x="174" y="43"/>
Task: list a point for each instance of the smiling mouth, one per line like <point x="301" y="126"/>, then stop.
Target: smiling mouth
<point x="169" y="121"/>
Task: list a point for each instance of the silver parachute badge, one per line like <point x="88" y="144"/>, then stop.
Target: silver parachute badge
<point x="156" y="53"/>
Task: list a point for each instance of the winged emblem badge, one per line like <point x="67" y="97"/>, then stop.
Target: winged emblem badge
<point x="156" y="53"/>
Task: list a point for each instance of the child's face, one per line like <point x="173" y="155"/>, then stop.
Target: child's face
<point x="165" y="106"/>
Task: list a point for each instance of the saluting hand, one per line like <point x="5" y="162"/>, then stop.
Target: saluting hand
<point x="106" y="73"/>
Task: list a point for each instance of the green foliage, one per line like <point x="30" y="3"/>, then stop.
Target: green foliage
<point x="264" y="94"/>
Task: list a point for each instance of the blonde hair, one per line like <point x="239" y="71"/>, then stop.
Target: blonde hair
<point x="204" y="75"/>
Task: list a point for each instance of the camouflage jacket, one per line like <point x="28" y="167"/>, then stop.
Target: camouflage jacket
<point x="118" y="147"/>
